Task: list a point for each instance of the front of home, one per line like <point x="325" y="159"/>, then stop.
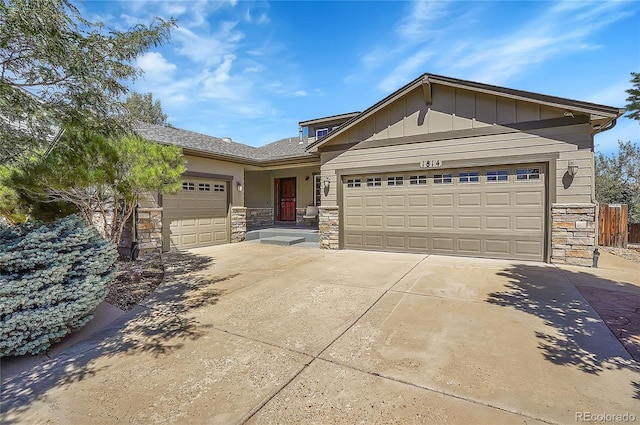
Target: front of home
<point x="442" y="166"/>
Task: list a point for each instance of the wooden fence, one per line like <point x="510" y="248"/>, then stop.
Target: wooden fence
<point x="634" y="233"/>
<point x="612" y="225"/>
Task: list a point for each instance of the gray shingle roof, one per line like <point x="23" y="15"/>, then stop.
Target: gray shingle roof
<point x="285" y="148"/>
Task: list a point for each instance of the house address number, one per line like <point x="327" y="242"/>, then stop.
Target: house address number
<point x="430" y="163"/>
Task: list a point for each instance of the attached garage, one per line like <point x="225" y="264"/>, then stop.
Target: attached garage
<point x="197" y="215"/>
<point x="495" y="212"/>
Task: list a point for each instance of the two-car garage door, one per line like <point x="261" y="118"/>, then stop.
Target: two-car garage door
<point x="197" y="215"/>
<point x="494" y="212"/>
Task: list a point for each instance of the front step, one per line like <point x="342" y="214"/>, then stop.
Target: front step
<point x="282" y="240"/>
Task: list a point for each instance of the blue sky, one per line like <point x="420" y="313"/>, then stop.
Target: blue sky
<point x="252" y="70"/>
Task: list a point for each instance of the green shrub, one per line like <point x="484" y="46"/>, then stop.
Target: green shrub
<point x="52" y="278"/>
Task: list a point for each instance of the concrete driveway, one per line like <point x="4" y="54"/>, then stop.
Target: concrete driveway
<point x="258" y="334"/>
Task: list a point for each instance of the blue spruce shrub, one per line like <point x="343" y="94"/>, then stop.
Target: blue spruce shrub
<point x="52" y="278"/>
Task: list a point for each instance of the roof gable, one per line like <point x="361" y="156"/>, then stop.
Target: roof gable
<point x="425" y="85"/>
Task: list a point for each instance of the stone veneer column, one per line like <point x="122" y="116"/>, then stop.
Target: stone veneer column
<point x="573" y="234"/>
<point x="329" y="227"/>
<point x="238" y="224"/>
<point x="149" y="230"/>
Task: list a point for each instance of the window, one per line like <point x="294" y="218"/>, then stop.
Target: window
<point x="188" y="186"/>
<point x="374" y="181"/>
<point x="395" y="181"/>
<point x="528" y="174"/>
<point x="421" y="179"/>
<point x="469" y="177"/>
<point x="497" y="176"/>
<point x="321" y="132"/>
<point x="442" y="178"/>
<point x="354" y="183"/>
<point x="317" y="190"/>
<point x="204" y="187"/>
<point x="218" y="188"/>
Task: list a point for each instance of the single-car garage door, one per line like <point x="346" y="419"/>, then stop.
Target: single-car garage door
<point x="493" y="212"/>
<point x="197" y="215"/>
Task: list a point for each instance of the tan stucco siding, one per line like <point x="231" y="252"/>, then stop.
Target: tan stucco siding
<point x="260" y="186"/>
<point x="258" y="189"/>
<point x="213" y="166"/>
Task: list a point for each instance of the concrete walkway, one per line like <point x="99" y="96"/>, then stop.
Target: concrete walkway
<point x="248" y="333"/>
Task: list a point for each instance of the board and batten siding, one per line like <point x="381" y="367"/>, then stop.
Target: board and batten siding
<point x="451" y="109"/>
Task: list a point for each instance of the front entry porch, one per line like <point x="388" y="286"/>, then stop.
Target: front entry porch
<point x="280" y="198"/>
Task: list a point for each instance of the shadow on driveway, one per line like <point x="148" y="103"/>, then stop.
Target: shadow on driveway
<point x="579" y="340"/>
<point x="160" y="328"/>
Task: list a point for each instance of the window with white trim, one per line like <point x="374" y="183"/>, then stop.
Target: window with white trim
<point x="320" y="132"/>
<point x="528" y="174"/>
<point x="374" y="181"/>
<point x="469" y="177"/>
<point x="418" y="180"/>
<point x="442" y="178"/>
<point x="204" y="187"/>
<point x="218" y="188"/>
<point x="395" y="181"/>
<point x="354" y="183"/>
<point x="188" y="186"/>
<point x="317" y="190"/>
<point x="497" y="176"/>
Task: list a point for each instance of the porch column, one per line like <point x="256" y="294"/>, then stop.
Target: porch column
<point x="238" y="224"/>
<point x="329" y="227"/>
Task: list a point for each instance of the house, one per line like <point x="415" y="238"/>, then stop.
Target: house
<point x="442" y="165"/>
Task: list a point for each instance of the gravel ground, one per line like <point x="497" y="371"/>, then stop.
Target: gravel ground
<point x="135" y="281"/>
<point x="632" y="253"/>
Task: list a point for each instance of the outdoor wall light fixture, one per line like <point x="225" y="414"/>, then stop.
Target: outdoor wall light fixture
<point x="239" y="186"/>
<point x="572" y="168"/>
<point x="327" y="183"/>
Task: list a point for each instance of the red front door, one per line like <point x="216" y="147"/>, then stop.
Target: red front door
<point x="287" y="199"/>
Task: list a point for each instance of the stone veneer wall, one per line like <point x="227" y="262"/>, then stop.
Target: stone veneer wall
<point x="573" y="234"/>
<point x="259" y="217"/>
<point x="149" y="230"/>
<point x="238" y="224"/>
<point x="329" y="227"/>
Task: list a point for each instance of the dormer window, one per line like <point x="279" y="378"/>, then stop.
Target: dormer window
<point x="321" y="132"/>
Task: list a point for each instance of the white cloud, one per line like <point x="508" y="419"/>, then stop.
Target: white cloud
<point x="562" y="29"/>
<point x="446" y="36"/>
<point x="615" y="94"/>
<point x="418" y="23"/>
<point x="208" y="49"/>
<point x="155" y="67"/>
<point x="402" y="73"/>
<point x="300" y="93"/>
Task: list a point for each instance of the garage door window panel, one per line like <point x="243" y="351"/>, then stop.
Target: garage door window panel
<point x="354" y="183"/>
<point x="446" y="178"/>
<point x="395" y="181"/>
<point x="418" y="180"/>
<point x="523" y="174"/>
<point x="374" y="182"/>
<point x="469" y="177"/>
<point x="497" y="176"/>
